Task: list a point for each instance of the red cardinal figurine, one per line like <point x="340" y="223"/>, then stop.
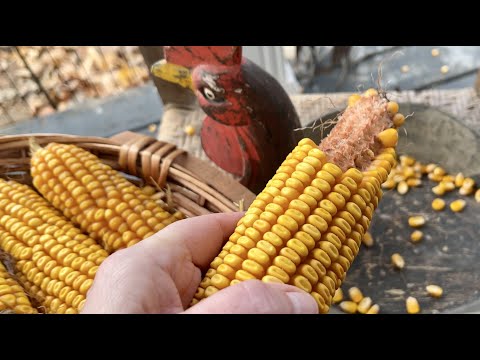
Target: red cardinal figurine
<point x="249" y="128"/>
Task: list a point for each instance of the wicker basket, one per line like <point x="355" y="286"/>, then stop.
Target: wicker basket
<point x="196" y="187"/>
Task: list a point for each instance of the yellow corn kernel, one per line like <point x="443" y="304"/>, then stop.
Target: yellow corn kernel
<point x="465" y="190"/>
<point x="392" y="108"/>
<point x="364" y="305"/>
<point x="438" y="190"/>
<point x="348" y="306"/>
<point x="402" y="188"/>
<point x="367" y="239"/>
<point x="458" y="205"/>
<point x="353" y="99"/>
<point x="430" y="167"/>
<point x="468" y="183"/>
<point x="416" y="236"/>
<point x="110" y="209"/>
<point x="439" y="171"/>
<point x="355" y="294"/>
<point x="375" y="309"/>
<point x="412" y="305"/>
<point x="434" y="291"/>
<point x="397" y="261"/>
<point x="477" y="196"/>
<point x="388" y="138"/>
<point x="416" y="221"/>
<point x="438" y="204"/>
<point x="398" y="120"/>
<point x="459" y="178"/>
<point x="370" y="92"/>
<point x="414" y="182"/>
<point x="389" y="184"/>
<point x="338" y="297"/>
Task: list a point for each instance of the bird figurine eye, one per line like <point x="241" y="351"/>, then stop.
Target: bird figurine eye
<point x="208" y="93"/>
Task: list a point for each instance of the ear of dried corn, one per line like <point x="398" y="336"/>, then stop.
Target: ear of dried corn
<point x="305" y="228"/>
<point x="50" y="253"/>
<point x="12" y="295"/>
<point x="96" y="197"/>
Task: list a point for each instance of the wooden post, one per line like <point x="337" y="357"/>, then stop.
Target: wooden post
<point x="169" y="93"/>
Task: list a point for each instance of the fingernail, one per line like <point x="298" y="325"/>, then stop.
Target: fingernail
<point x="302" y="303"/>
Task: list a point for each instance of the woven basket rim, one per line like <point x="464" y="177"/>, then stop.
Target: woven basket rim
<point x="189" y="184"/>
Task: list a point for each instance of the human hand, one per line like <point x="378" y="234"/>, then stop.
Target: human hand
<point x="161" y="275"/>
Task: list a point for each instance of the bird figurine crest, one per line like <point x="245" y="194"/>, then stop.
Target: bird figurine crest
<point x="250" y="122"/>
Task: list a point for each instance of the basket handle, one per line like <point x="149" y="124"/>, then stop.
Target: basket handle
<point x="156" y="158"/>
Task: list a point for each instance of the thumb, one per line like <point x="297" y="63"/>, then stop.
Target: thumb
<point x="257" y="297"/>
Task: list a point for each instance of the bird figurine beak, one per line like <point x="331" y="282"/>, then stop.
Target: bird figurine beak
<point x="173" y="73"/>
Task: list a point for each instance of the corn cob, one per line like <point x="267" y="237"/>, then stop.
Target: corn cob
<point x="49" y="251"/>
<point x="12" y="296"/>
<point x="305" y="228"/>
<point x="95" y="197"/>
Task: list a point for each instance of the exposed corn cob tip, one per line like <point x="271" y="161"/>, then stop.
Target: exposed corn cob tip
<point x="95" y="197"/>
<point x="52" y="254"/>
<point x="305" y="228"/>
<point x="12" y="295"/>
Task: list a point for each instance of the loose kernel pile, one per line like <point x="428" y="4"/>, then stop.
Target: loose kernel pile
<point x="358" y="304"/>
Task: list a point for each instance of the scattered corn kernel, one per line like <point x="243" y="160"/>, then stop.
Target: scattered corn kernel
<point x="355" y="294"/>
<point x="389" y="184"/>
<point x="397" y="261"/>
<point x="414" y="182"/>
<point x="438" y="204"/>
<point x="349" y="307"/>
<point x="468" y="183"/>
<point x="189" y="130"/>
<point x="444" y="69"/>
<point x="338" y="297"/>
<point x="367" y="239"/>
<point x="447" y="185"/>
<point x="405" y="69"/>
<point x="438" y="190"/>
<point x="152" y="128"/>
<point x="434" y="291"/>
<point x="413" y="307"/>
<point x="416" y="221"/>
<point x="430" y="167"/>
<point x="465" y="190"/>
<point x="375" y="309"/>
<point x="402" y="188"/>
<point x="416" y="236"/>
<point x="458" y="205"/>
<point x="364" y="305"/>
<point x="477" y="196"/>
<point x="435" y="52"/>
<point x="459" y="179"/>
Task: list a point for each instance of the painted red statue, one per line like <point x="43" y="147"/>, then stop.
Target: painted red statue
<point x="250" y="122"/>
